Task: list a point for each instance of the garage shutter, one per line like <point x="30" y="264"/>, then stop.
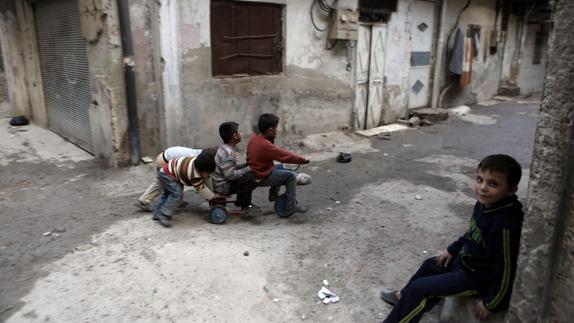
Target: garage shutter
<point x="64" y="64"/>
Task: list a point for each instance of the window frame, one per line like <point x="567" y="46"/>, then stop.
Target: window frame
<point x="252" y="51"/>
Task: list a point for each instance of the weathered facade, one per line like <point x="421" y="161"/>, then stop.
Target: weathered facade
<point x="313" y="94"/>
<point x="394" y="62"/>
<point x="543" y="288"/>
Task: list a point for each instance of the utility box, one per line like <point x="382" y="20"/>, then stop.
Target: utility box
<point x="345" y="24"/>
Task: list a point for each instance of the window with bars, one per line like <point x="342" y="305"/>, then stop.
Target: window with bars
<point x="246" y="38"/>
<point x="376" y="10"/>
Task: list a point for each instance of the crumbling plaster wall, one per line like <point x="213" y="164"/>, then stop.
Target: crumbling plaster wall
<point x="108" y="112"/>
<point x="510" y="46"/>
<point x="531" y="77"/>
<point x="31" y="56"/>
<point x="12" y="47"/>
<point x="397" y="63"/>
<point x="141" y="17"/>
<point x="22" y="64"/>
<point x="13" y="63"/>
<point x="545" y="275"/>
<point x="485" y="67"/>
<point x="313" y="94"/>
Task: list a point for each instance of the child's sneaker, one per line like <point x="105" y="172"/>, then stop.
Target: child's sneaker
<point x="143" y="206"/>
<point x="389" y="296"/>
<point x="297" y="209"/>
<point x="164" y="220"/>
<point x="251" y="209"/>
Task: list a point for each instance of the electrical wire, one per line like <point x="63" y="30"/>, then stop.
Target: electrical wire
<point x="329" y="47"/>
<point x="328" y="8"/>
<point x="325" y="7"/>
<point x="313" y="19"/>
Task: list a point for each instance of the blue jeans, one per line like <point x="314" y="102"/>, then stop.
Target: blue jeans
<point x="280" y="176"/>
<point x="171" y="196"/>
<point x="427" y="286"/>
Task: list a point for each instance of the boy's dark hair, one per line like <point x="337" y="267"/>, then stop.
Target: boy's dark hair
<point x="227" y="130"/>
<point x="267" y="121"/>
<point x="502" y="164"/>
<point x="205" y="161"/>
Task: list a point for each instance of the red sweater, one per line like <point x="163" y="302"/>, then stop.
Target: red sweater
<point x="261" y="153"/>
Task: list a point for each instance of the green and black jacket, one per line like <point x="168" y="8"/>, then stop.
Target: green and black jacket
<point x="489" y="249"/>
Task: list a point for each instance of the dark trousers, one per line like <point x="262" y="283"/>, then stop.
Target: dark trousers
<point x="243" y="187"/>
<point x="427" y="286"/>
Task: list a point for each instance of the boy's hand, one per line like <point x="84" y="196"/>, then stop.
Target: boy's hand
<point x="307" y="161"/>
<point x="444" y="259"/>
<point x="481" y="312"/>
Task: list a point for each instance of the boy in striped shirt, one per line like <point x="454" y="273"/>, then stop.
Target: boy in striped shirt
<point x="190" y="171"/>
<point x="155" y="189"/>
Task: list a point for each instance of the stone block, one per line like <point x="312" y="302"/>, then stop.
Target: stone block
<point x="432" y="115"/>
<point x="461" y="309"/>
<point x="509" y="90"/>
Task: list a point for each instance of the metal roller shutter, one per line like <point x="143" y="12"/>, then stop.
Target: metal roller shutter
<point x="64" y="64"/>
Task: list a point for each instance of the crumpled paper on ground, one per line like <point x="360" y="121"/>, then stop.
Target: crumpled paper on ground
<point x="327" y="296"/>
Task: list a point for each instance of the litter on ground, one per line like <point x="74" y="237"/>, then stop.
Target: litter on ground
<point x="327" y="296"/>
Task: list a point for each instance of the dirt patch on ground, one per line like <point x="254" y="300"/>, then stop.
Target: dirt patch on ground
<point x="365" y="229"/>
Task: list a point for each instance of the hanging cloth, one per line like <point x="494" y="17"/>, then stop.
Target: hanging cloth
<point x="457" y="55"/>
<point x="466" y="76"/>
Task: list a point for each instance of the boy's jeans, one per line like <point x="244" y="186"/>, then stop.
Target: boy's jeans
<point x="171" y="196"/>
<point x="426" y="287"/>
<point x="278" y="177"/>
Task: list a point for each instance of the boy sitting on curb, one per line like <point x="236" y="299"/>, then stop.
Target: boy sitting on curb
<point x="230" y="178"/>
<point x="261" y="153"/>
<point x="155" y="189"/>
<point x="481" y="262"/>
<point x="190" y="171"/>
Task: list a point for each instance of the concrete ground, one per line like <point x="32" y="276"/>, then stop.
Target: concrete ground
<point x="73" y="248"/>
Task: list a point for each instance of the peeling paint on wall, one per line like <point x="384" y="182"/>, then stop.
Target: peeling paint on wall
<point x="14" y="64"/>
<point x="93" y="12"/>
<point x="485" y="67"/>
<point x="313" y="94"/>
<point x="397" y="65"/>
<point x="108" y="112"/>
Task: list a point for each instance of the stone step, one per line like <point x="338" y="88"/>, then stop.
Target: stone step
<point x="461" y="309"/>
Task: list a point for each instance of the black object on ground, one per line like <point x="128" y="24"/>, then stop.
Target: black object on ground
<point x="344" y="157"/>
<point x="19" y="121"/>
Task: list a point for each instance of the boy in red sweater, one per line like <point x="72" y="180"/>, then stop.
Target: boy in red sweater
<point x="261" y="153"/>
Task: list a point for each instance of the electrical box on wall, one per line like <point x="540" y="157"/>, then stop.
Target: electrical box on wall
<point x="344" y="25"/>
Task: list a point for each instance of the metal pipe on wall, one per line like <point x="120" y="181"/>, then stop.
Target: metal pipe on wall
<point x="130" y="81"/>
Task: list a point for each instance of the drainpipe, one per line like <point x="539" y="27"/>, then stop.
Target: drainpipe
<point x="130" y="80"/>
<point x="438" y="69"/>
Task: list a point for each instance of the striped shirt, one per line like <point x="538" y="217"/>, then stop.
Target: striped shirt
<point x="182" y="170"/>
<point x="226" y="169"/>
<point x="178" y="151"/>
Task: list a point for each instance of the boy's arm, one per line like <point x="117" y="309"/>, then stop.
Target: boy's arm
<point x="240" y="166"/>
<point x="284" y="156"/>
<point x="503" y="245"/>
<point x="455" y="247"/>
<point x="229" y="169"/>
<point x="203" y="190"/>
